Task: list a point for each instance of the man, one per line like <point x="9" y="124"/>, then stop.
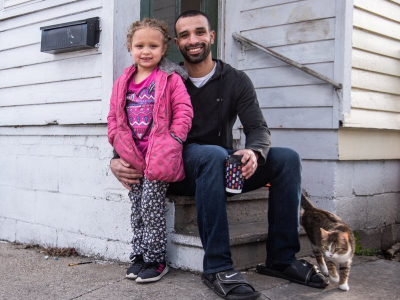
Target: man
<point x="220" y="93"/>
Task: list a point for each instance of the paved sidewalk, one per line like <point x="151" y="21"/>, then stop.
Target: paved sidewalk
<point x="26" y="274"/>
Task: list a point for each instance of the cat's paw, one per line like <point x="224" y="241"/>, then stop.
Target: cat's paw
<point x="324" y="271"/>
<point x="344" y="287"/>
<point x="334" y="279"/>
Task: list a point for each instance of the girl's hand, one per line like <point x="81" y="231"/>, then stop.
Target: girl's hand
<point x="249" y="161"/>
<point x="124" y="172"/>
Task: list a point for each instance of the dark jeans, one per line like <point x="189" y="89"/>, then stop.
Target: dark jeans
<point x="205" y="175"/>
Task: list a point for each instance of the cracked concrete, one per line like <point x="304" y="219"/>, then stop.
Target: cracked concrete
<point x="26" y="274"/>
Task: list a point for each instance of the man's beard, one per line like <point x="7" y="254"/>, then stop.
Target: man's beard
<point x="198" y="58"/>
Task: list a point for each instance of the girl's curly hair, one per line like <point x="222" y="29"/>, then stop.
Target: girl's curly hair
<point x="148" y="23"/>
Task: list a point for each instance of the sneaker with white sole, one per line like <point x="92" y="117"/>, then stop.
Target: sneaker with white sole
<point x="136" y="266"/>
<point x="152" y="272"/>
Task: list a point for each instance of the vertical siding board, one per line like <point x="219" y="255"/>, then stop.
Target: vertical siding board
<point x="342" y="65"/>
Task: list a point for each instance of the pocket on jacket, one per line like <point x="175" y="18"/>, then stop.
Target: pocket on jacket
<point x="166" y="163"/>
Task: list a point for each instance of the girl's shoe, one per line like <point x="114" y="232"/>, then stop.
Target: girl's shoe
<point x="152" y="272"/>
<point x="136" y="266"/>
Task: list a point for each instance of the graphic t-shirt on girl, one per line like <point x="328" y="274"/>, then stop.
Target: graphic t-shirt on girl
<point x="139" y="109"/>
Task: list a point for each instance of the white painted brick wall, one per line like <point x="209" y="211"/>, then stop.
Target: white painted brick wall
<point x="318" y="178"/>
<point x="17" y="204"/>
<point x="365" y="194"/>
<point x="368" y="178"/>
<point x="382" y="210"/>
<point x="58" y="191"/>
<point x="56" y="210"/>
<point x="7" y="229"/>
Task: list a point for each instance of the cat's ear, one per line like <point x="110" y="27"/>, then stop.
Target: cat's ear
<point x="344" y="237"/>
<point x="324" y="234"/>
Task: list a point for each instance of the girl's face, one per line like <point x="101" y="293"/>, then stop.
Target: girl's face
<point x="147" y="48"/>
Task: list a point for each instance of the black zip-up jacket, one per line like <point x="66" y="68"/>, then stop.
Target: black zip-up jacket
<point x="228" y="94"/>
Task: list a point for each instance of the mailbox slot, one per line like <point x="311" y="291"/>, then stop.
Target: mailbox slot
<point x="71" y="36"/>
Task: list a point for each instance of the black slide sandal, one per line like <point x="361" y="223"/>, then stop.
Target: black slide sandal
<point x="300" y="271"/>
<point x="226" y="281"/>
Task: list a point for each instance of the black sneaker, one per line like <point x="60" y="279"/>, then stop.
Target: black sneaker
<point x="152" y="272"/>
<point x="136" y="266"/>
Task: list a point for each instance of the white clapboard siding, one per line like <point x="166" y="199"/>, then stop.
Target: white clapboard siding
<point x="304" y="117"/>
<point x="50" y="13"/>
<point x="288" y="76"/>
<point x="30" y="55"/>
<point x="287" y="14"/>
<point x="375" y="100"/>
<point x="372" y="119"/>
<point x="293" y="33"/>
<point x="32" y="8"/>
<point x="375" y="82"/>
<point x="296" y="96"/>
<point x="253" y="4"/>
<point x="382" y="8"/>
<point x="376" y="63"/>
<point x="377" y="24"/>
<point x="31" y="34"/>
<point x="68" y="69"/>
<point x="375" y="75"/>
<point x="305" y="53"/>
<point x="53" y="92"/>
<point x="54" y="130"/>
<point x="375" y="43"/>
<point x="309" y="143"/>
<point x="86" y="112"/>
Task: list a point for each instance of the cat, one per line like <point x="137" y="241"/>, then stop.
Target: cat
<point x="330" y="237"/>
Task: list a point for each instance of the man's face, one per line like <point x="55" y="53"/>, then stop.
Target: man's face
<point x="194" y="39"/>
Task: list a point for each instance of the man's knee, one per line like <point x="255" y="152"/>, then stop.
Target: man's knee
<point x="206" y="154"/>
<point x="285" y="158"/>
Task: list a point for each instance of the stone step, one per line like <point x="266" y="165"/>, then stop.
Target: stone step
<point x="242" y="208"/>
<point x="247" y="241"/>
<point x="247" y="214"/>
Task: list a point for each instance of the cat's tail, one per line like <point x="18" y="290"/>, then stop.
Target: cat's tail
<point x="305" y="202"/>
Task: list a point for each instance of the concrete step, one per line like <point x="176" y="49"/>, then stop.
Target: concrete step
<point x="248" y="226"/>
<point x="242" y="208"/>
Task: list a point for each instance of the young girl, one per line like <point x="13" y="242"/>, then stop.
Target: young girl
<point x="150" y="116"/>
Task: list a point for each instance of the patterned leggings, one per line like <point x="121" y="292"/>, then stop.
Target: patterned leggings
<point x="148" y="220"/>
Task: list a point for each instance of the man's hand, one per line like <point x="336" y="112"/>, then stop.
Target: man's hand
<point x="124" y="172"/>
<point x="250" y="159"/>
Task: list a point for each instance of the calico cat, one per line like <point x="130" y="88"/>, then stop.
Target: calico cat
<point x="330" y="237"/>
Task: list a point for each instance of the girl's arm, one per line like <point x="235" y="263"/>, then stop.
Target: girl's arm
<point x="112" y="118"/>
<point x="182" y="110"/>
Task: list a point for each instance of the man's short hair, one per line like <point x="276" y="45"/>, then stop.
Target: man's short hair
<point x="192" y="13"/>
